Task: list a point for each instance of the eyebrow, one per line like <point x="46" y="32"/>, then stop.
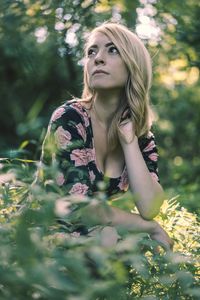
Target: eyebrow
<point x="106" y="45"/>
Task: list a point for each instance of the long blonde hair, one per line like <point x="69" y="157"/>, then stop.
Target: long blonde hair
<point x="136" y="90"/>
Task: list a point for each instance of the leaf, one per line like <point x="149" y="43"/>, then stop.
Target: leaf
<point x="24" y="144"/>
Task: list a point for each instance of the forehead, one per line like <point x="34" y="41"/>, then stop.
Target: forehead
<point x="98" y="38"/>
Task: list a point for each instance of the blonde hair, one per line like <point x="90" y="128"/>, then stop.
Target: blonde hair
<point x="136" y="90"/>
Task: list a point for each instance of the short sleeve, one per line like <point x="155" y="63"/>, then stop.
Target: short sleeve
<point x="65" y="147"/>
<point x="150" y="154"/>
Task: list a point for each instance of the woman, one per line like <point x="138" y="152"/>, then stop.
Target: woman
<point x="105" y="136"/>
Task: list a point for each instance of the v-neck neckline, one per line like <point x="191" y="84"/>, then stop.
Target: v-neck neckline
<point x="93" y="145"/>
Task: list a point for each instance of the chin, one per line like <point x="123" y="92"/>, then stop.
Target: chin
<point x="102" y="86"/>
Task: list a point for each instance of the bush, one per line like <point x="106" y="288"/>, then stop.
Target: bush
<point x="43" y="260"/>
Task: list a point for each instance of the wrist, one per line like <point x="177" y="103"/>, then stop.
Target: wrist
<point x="126" y="131"/>
<point x="153" y="226"/>
<point x="132" y="144"/>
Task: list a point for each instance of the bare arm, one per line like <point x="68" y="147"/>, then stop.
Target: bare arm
<point x="149" y="193"/>
<point x="99" y="214"/>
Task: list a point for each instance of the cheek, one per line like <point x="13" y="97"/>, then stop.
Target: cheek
<point x="88" y="67"/>
<point x="123" y="74"/>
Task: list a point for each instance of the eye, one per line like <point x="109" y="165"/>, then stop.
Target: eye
<point x="113" y="50"/>
<point x="91" y="52"/>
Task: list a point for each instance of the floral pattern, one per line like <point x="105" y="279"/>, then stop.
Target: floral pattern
<point x="123" y="183"/>
<point x="83" y="113"/>
<point x="62" y="137"/>
<point x="79" y="157"/>
<point x="92" y="176"/>
<point x="149" y="147"/>
<point x="57" y="114"/>
<point x="153" y="156"/>
<point x="60" y="179"/>
<point x="70" y="129"/>
<point x="79" y="188"/>
<point x="81" y="131"/>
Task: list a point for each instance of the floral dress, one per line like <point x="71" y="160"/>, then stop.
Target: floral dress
<point x="70" y="143"/>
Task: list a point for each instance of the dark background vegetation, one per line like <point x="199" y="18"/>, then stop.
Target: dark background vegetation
<point x="40" y="69"/>
<point x="41" y="54"/>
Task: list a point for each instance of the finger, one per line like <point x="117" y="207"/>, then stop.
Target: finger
<point x="126" y="114"/>
<point x="171" y="244"/>
<point x="124" y="122"/>
<point x="163" y="242"/>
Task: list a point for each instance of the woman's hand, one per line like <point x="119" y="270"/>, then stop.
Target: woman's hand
<point x="126" y="131"/>
<point x="160" y="235"/>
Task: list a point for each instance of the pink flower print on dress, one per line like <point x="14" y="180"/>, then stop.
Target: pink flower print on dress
<point x="62" y="137"/>
<point x="81" y="131"/>
<point x="79" y="157"/>
<point x="60" y="179"/>
<point x="79" y="188"/>
<point x="57" y="114"/>
<point x="92" y="176"/>
<point x="83" y="113"/>
<point x="153" y="156"/>
<point x="149" y="147"/>
<point x="154" y="176"/>
<point x="123" y="184"/>
<point x="82" y="156"/>
<point x="150" y="134"/>
<point x="90" y="154"/>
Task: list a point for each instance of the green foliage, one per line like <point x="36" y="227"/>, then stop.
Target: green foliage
<point x="41" y="68"/>
<point x="38" y="71"/>
<point x="34" y="72"/>
<point x="41" y="259"/>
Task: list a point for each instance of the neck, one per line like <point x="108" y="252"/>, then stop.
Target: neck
<point x="104" y="107"/>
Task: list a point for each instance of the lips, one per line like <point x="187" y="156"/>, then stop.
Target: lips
<point x="100" y="72"/>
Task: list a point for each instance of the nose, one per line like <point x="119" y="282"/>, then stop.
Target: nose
<point x="99" y="58"/>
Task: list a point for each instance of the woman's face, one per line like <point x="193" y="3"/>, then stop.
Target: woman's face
<point x="104" y="66"/>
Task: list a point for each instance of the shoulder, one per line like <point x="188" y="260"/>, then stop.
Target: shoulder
<point x="69" y="111"/>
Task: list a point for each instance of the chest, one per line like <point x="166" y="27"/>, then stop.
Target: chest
<point x="109" y="162"/>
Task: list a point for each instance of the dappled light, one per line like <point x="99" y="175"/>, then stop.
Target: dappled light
<point x="146" y="27"/>
<point x="41" y="34"/>
<point x="178" y="71"/>
<point x="44" y="254"/>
